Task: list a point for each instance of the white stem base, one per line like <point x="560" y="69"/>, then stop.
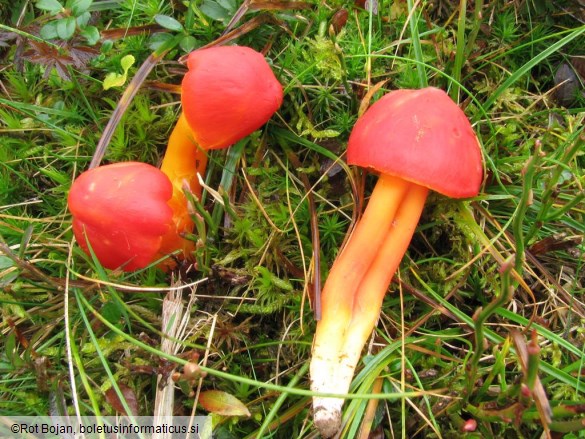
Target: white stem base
<point x="327" y="415"/>
<point x="336" y="379"/>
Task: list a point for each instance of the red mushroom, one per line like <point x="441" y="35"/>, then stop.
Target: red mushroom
<point x="416" y="140"/>
<point x="228" y="93"/>
<point x="122" y="211"/>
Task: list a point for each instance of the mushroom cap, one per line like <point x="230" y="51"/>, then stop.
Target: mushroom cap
<point x="228" y="93"/>
<point x="122" y="210"/>
<point x="421" y="136"/>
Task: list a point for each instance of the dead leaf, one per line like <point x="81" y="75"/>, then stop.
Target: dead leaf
<point x="365" y="103"/>
<point x="578" y="63"/>
<point x="59" y="58"/>
<point x="7" y="38"/>
<point x="339" y="20"/>
<point x="113" y="399"/>
<point x="566" y="85"/>
<point x="279" y="5"/>
<point x="222" y="403"/>
<point x="82" y="55"/>
<point x="555" y="242"/>
<point x="50" y="57"/>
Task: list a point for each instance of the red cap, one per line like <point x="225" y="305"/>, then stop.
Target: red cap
<point x="421" y="136"/>
<point x="228" y="93"/>
<point x="122" y="210"/>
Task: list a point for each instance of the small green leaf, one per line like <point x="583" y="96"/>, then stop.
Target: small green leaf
<point x="214" y="10"/>
<point x="79" y="7"/>
<point x="6" y="262"/>
<point x="56" y="175"/>
<point x="188" y="43"/>
<point x="321" y="134"/>
<point x="83" y="19"/>
<point x="168" y="22"/>
<point x="222" y="403"/>
<point x="50" y="5"/>
<point x="49" y="31"/>
<point x="116" y="79"/>
<point x="159" y="39"/>
<point x="66" y="27"/>
<point x="91" y="34"/>
<point x="127" y="62"/>
<point x="107" y="45"/>
<point x="228" y="5"/>
<point x="11" y="351"/>
<point x="272" y="279"/>
<point x="7" y="276"/>
<point x="112" y="312"/>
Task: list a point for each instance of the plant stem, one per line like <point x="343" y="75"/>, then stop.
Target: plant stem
<point x="523" y="204"/>
<point x="549" y="193"/>
<point x="475" y="29"/>
<point x="503" y="297"/>
<point x="234" y="154"/>
<point x="460" y="51"/>
<point x="418" y="54"/>
<point x="533" y="361"/>
<point x="281" y="399"/>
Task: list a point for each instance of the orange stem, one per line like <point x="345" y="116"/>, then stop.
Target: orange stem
<point x="183" y="160"/>
<point x="372" y="289"/>
<point x="355" y="288"/>
<point x="355" y="259"/>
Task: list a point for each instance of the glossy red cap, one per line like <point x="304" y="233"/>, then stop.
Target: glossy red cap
<point x="421" y="136"/>
<point x="122" y="210"/>
<point x="228" y="93"/>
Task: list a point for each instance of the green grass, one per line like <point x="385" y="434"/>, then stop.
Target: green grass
<point x="483" y="280"/>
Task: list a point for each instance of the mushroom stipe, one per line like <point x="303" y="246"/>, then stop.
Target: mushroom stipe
<point x="417" y="140"/>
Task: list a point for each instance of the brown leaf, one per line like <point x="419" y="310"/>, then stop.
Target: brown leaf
<point x="163" y="87"/>
<point x="579" y="65"/>
<point x="222" y="403"/>
<point x="339" y="20"/>
<point x="554" y="243"/>
<point x="566" y="85"/>
<point x="50" y="57"/>
<point x="279" y="5"/>
<point x="82" y="55"/>
<point x="365" y="103"/>
<point x="7" y="38"/>
<point x="61" y="57"/>
<point x="113" y="399"/>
